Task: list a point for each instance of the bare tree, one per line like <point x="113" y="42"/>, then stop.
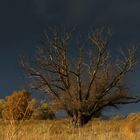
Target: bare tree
<point x="85" y="84"/>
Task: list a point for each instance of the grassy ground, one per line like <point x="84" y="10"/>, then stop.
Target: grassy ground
<point x="113" y="129"/>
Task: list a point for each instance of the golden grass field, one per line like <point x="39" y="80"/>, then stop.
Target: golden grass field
<point x="114" y="129"/>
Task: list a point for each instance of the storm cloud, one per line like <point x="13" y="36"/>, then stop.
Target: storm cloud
<point x="85" y="11"/>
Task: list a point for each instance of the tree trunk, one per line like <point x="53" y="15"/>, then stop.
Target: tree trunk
<point x="79" y="119"/>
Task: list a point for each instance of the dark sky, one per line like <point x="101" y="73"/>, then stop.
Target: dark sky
<point x="23" y="21"/>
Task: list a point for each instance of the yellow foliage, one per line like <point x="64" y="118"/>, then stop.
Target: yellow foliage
<point x="19" y="105"/>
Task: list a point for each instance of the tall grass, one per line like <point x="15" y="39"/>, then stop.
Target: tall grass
<point x="113" y="129"/>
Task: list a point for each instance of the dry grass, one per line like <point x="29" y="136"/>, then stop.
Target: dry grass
<point x="113" y="129"/>
<point x="131" y="125"/>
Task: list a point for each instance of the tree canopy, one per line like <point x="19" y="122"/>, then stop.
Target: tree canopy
<point x="85" y="84"/>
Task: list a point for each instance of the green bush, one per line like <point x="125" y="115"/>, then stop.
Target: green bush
<point x="43" y="112"/>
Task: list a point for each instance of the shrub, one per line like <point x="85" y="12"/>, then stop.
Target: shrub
<point x="43" y="112"/>
<point x="18" y="106"/>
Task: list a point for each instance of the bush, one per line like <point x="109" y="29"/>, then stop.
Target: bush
<point x="43" y="112"/>
<point x="18" y="106"/>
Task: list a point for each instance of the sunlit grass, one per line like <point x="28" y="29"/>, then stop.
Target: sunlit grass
<point x="113" y="129"/>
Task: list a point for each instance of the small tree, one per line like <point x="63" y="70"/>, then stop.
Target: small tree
<point x="43" y="112"/>
<point x="19" y="106"/>
<point x="85" y="84"/>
